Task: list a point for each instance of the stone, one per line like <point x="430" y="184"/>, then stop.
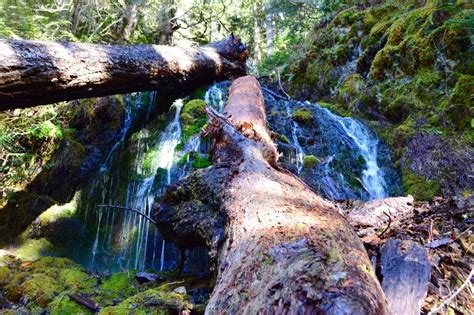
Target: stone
<point x="180" y="290"/>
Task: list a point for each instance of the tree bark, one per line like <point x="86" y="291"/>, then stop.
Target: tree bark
<point x="280" y="248"/>
<point x="39" y="72"/>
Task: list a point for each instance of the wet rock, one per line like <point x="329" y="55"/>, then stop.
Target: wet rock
<point x="180" y="290"/>
<point x="143" y="277"/>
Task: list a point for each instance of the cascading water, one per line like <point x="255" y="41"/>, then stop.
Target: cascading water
<point x="299" y="156"/>
<point x="372" y="175"/>
<point x="347" y="151"/>
<point x="348" y="168"/>
<point x="124" y="239"/>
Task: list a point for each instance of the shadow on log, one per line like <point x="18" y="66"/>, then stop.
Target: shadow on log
<point x="278" y="247"/>
<point x="39" y="72"/>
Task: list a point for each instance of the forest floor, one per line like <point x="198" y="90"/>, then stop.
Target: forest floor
<point x="444" y="228"/>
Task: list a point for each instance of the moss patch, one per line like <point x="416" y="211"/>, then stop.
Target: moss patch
<point x="303" y="116"/>
<point x="193" y="118"/>
<point x="310" y="161"/>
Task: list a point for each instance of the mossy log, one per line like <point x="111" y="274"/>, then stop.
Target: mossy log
<point x="279" y="247"/>
<point x="39" y="72"/>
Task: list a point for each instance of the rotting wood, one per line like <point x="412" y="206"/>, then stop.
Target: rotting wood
<point x="406" y="272"/>
<point x="279" y="248"/>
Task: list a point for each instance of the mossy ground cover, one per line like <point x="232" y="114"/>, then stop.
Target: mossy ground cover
<point x="414" y="73"/>
<point x="46" y="284"/>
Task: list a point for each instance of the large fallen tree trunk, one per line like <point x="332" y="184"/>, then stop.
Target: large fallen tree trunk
<point x="280" y="248"/>
<point x="39" y="72"/>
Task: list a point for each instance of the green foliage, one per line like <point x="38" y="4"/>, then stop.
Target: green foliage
<point x="303" y="116"/>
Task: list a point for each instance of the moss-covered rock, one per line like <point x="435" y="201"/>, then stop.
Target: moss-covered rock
<point x="420" y="187"/>
<point x="63" y="305"/>
<point x="193" y="118"/>
<point x="461" y="103"/>
<point x="76" y="279"/>
<point x="415" y="71"/>
<point x="310" y="160"/>
<point x="119" y="285"/>
<point x="303" y="116"/>
<point x="153" y="300"/>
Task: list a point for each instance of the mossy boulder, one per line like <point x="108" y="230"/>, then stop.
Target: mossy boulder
<point x="303" y="116"/>
<point x="119" y="285"/>
<point x="20" y="211"/>
<point x="63" y="305"/>
<point x="75" y="278"/>
<point x="153" y="300"/>
<point x="310" y="161"/>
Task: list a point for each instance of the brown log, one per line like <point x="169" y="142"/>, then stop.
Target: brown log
<point x="280" y="248"/>
<point x="40" y="72"/>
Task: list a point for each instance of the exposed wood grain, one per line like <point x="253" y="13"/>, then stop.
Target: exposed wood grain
<point x="40" y="72"/>
<point x="279" y="248"/>
<point x="406" y="273"/>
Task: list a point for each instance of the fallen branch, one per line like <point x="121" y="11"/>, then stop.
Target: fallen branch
<point x="131" y="210"/>
<point x="388" y="225"/>
<point x="453" y="296"/>
<point x="87" y="303"/>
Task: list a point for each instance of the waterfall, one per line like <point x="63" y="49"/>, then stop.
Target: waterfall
<point x="299" y="156"/>
<point x="348" y="155"/>
<point x="372" y="176"/>
<point x="124" y="239"/>
<point x="344" y="147"/>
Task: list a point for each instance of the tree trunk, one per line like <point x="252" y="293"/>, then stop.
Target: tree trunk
<point x="131" y="18"/>
<point x="39" y="72"/>
<point x="280" y="248"/>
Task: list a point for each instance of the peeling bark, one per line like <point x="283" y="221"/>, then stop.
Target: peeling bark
<point x="39" y="72"/>
<point x="280" y="248"/>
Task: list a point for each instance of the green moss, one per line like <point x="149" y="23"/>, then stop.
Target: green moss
<point x="303" y="116"/>
<point x="4" y="275"/>
<point x="420" y="187"/>
<point x="32" y="249"/>
<point x="152" y="300"/>
<point x="119" y="285"/>
<point x="193" y="118"/>
<point x="40" y="288"/>
<point x="310" y="161"/>
<point x="149" y="161"/>
<point x="351" y="86"/>
<point x="201" y="161"/>
<point x="383" y="61"/>
<point x="63" y="305"/>
<point x="461" y="103"/>
<point x="76" y="279"/>
<point x="282" y="138"/>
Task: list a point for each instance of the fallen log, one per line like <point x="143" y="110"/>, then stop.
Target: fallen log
<point x="39" y="72"/>
<point x="280" y="248"/>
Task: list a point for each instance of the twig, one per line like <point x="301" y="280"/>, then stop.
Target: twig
<point x="131" y="210"/>
<point x="281" y="86"/>
<point x="451" y="298"/>
<point x="389" y="223"/>
<point x="274" y="94"/>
